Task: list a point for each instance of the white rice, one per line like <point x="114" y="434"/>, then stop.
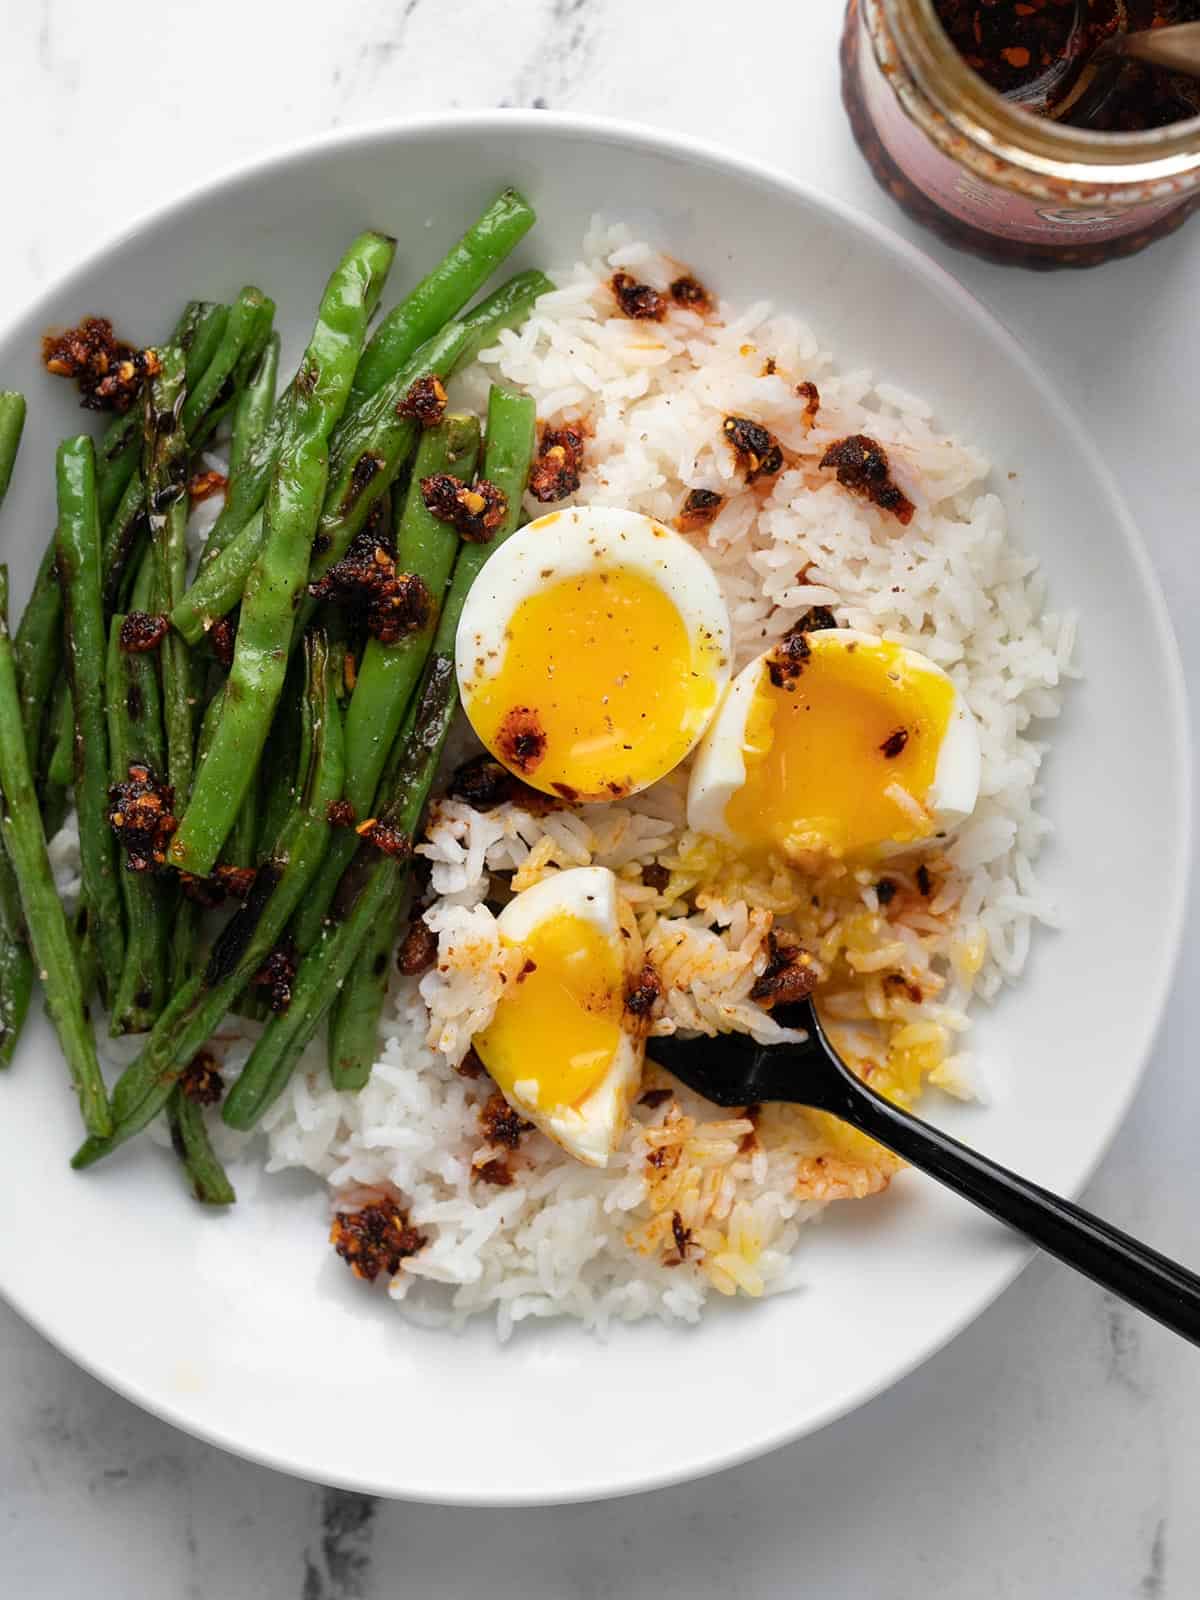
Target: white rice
<point x="564" y="1240"/>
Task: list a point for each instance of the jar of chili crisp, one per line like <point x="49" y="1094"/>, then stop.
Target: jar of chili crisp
<point x="962" y="156"/>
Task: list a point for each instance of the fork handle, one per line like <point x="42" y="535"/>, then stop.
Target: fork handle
<point x="1126" y="1267"/>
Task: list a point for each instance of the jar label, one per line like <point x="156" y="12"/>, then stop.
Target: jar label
<point x="961" y="193"/>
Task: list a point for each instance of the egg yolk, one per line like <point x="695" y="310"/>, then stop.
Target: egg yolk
<point x="600" y="690"/>
<point x="842" y="761"/>
<point x="558" y="1024"/>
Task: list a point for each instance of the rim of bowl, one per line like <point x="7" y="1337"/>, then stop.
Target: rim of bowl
<point x="624" y="132"/>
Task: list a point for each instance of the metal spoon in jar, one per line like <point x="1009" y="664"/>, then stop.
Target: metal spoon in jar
<point x="1173" y="49"/>
<point x="734" y="1071"/>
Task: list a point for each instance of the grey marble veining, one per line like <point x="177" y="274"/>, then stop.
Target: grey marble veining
<point x="1053" y="1449"/>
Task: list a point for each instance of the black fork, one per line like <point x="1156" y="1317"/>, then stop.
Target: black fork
<point x="733" y="1070"/>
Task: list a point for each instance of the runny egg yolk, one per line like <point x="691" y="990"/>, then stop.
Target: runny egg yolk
<point x="558" y="1026"/>
<point x="845" y="757"/>
<point x="600" y="690"/>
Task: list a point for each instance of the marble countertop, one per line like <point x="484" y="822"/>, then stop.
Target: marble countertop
<point x="1052" y="1449"/>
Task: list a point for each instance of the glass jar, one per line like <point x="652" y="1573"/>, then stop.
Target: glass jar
<point x="994" y="179"/>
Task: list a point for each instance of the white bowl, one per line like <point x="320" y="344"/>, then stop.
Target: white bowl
<point x="244" y="1328"/>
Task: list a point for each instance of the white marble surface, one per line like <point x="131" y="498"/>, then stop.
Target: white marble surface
<point x="1053" y="1450"/>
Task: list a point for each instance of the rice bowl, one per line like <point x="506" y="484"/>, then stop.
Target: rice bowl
<point x="1004" y="1127"/>
<point x="694" y="1203"/>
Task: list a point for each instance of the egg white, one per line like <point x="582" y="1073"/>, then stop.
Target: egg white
<point x="568" y="544"/>
<point x="591" y="1130"/>
<point x="719" y="768"/>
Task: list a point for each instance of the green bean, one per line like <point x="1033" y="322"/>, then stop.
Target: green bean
<point x="78" y="562"/>
<point x="117" y="457"/>
<point x="135" y="737"/>
<point x="442" y="295"/>
<point x="217" y="590"/>
<point x="240" y="847"/>
<point x="366" y="454"/>
<point x="16" y="964"/>
<point x="60" y="769"/>
<point x="249" y="322"/>
<point x="252" y="329"/>
<point x="191" y="1143"/>
<point x="199" y="338"/>
<point x="247" y="488"/>
<point x="12" y="424"/>
<point x="164" y="471"/>
<point x="37" y="648"/>
<point x="120" y="448"/>
<point x="255" y="405"/>
<point x="283" y="766"/>
<point x="388" y="674"/>
<point x="248" y="938"/>
<point x="358" y="1004"/>
<point x="164" y="476"/>
<point x="49" y="936"/>
<point x="376" y="880"/>
<point x="276" y="582"/>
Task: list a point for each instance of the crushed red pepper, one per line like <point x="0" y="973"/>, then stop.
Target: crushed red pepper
<point x="757" y="450"/>
<point x="555" y="471"/>
<point x="201" y="1079"/>
<point x="786" y="661"/>
<point x="109" y="372"/>
<point x="376" y="1238"/>
<point x="418" y="949"/>
<point x="683" y="1241"/>
<point x="277" y="975"/>
<point x="817" y="619"/>
<point x="203" y="485"/>
<point x="501" y="1124"/>
<point x="339" y="814"/>
<point x="862" y="465"/>
<point x="392" y="604"/>
<point x="474" y="510"/>
<point x="141" y="814"/>
<point x="522" y="739"/>
<point x="496" y="1172"/>
<point x="788" y="976"/>
<point x="699" y="510"/>
<point x="471" y="1066"/>
<point x="484" y="784"/>
<point x="894" y="744"/>
<point x="811" y="396"/>
<point x="222" y="640"/>
<point x="691" y="294"/>
<point x="390" y="840"/>
<point x="225" y="882"/>
<point x="141" y="632"/>
<point x="638" y="300"/>
<point x="655" y="876"/>
<point x="644" y="994"/>
<point x="425" y="402"/>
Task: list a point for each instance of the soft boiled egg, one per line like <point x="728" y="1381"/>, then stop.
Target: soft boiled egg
<point x="562" y="1048"/>
<point x="592" y="652"/>
<point x="839" y="744"/>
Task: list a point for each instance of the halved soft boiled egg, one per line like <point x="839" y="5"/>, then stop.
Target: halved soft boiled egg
<point x="592" y="652"/>
<point x="562" y="1047"/>
<point x="838" y="744"/>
